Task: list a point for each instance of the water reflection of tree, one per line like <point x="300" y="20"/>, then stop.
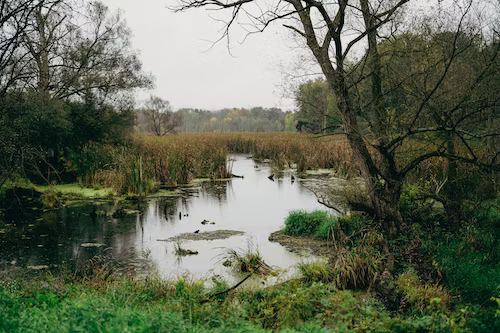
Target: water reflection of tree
<point x="166" y="208"/>
<point x="217" y="190"/>
<point x="55" y="237"/>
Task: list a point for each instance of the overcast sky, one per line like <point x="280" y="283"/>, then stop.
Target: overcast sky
<point x="175" y="47"/>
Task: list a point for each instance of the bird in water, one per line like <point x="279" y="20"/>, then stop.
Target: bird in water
<point x="271" y="177"/>
<point x="197" y="231"/>
<point x="293" y="179"/>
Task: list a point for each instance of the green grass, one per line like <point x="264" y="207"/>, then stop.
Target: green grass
<point x="317" y="223"/>
<point x="326" y="227"/>
<point x="75" y="191"/>
<point x="153" y="305"/>
<point x="316" y="271"/>
<point x="473" y="274"/>
<point x="302" y="223"/>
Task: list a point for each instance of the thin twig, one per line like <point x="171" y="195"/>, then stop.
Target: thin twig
<point x="203" y="301"/>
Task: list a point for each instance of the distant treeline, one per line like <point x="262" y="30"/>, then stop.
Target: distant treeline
<point x="257" y="119"/>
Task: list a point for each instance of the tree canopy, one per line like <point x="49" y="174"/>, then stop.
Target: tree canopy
<point x="68" y="74"/>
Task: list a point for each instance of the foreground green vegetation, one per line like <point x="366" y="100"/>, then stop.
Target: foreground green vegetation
<point x="298" y="305"/>
<point x="458" y="271"/>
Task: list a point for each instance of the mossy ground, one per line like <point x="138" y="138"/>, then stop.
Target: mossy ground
<point x="76" y="191"/>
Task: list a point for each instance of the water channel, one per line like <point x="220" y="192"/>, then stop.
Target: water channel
<point x="254" y="205"/>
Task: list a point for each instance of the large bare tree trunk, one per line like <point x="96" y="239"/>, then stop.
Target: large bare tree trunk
<point x="384" y="188"/>
<point x="383" y="193"/>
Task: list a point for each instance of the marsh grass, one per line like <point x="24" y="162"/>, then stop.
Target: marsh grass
<point x="245" y="260"/>
<point x="316" y="271"/>
<point x="178" y="159"/>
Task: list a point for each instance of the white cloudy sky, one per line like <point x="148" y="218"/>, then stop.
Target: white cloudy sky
<point x="175" y="47"/>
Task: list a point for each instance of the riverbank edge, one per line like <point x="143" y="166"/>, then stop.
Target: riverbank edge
<point x="74" y="192"/>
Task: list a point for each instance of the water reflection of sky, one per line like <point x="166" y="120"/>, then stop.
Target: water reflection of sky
<point x="253" y="204"/>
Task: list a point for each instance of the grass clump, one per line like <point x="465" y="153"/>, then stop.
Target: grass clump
<point x="302" y="223"/>
<point x="356" y="260"/>
<point x="245" y="261"/>
<point x="322" y="225"/>
<point x="182" y="252"/>
<point x="326" y="227"/>
<point x="316" y="271"/>
<point x="420" y="295"/>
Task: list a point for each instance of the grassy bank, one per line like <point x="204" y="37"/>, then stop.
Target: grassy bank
<point x="152" y="305"/>
<point x="428" y="265"/>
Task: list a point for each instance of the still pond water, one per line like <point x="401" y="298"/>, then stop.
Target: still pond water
<point x="254" y="205"/>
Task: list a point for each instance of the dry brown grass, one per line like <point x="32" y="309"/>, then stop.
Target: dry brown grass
<point x="177" y="159"/>
<point x="283" y="149"/>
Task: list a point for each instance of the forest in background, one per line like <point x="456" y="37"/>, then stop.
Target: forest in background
<point x="256" y="119"/>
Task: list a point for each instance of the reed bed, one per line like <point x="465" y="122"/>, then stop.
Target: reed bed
<point x="284" y="150"/>
<point x="149" y="161"/>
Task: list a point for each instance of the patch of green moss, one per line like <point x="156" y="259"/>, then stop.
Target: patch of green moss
<point x="74" y="191"/>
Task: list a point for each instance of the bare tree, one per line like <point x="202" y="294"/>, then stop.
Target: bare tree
<point x="323" y="26"/>
<point x="14" y="22"/>
<point x="76" y="49"/>
<point x="160" y="119"/>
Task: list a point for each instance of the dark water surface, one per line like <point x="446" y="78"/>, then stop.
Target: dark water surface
<point x="254" y="205"/>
